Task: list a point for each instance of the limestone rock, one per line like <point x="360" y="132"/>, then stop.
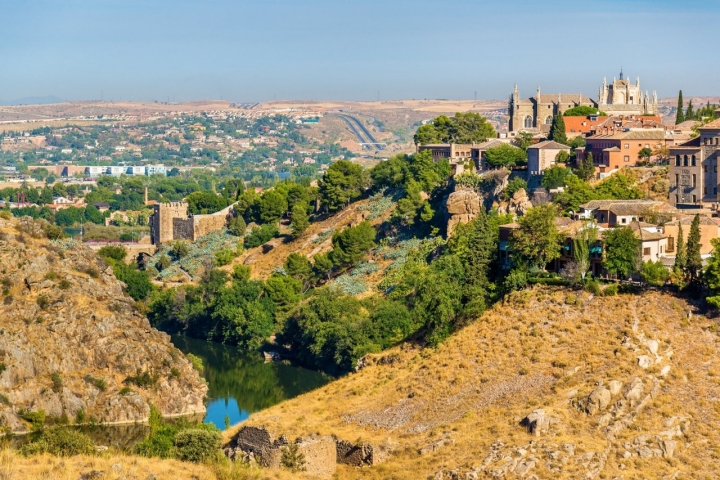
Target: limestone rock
<point x="86" y="335"/>
<point x="635" y="391"/>
<point x="462" y="206"/>
<point x="598" y="400"/>
<point x="538" y="422"/>
<point x="614" y="386"/>
<point x="644" y="361"/>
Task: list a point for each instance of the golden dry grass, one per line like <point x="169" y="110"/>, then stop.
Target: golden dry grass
<point x="540" y="349"/>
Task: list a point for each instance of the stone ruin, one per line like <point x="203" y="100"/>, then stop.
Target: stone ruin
<point x="321" y="453"/>
<point x="172" y="221"/>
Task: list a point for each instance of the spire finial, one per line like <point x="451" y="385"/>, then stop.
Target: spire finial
<point x="621" y="73"/>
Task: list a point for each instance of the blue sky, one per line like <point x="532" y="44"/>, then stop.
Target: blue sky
<point x="339" y="49"/>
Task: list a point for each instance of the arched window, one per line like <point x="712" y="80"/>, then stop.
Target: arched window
<point x="528" y="122"/>
<point x="693" y="161"/>
<point x="678" y="162"/>
<point x="548" y="120"/>
<point x="685" y="160"/>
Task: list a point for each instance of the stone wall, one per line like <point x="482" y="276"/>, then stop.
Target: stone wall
<point x="183" y="229"/>
<point x="171" y="221"/>
<point x="204" y="224"/>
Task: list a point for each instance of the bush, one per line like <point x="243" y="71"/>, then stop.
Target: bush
<point x="260" y="235"/>
<point x="42" y="301"/>
<point x="113" y="252"/>
<point x="142" y="379"/>
<point x="611" y="290"/>
<point x="53" y="232"/>
<point x="5" y="214"/>
<point x="64" y="284"/>
<point x="197" y="445"/>
<point x="60" y="441"/>
<point x="37" y="419"/>
<point x="224" y="257"/>
<point x="57" y="382"/>
<point x="196" y="361"/>
<point x="99" y="383"/>
<point x="593" y="287"/>
<point x="292" y="458"/>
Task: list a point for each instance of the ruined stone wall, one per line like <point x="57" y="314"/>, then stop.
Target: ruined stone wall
<point x="204" y="224"/>
<point x="183" y="229"/>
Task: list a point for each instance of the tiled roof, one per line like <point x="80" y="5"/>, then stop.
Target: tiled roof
<point x="550" y="144"/>
<point x="714" y="124"/>
<point x="688" y="219"/>
<point x="644" y="235"/>
<point x="581" y="124"/>
<point x="626" y="207"/>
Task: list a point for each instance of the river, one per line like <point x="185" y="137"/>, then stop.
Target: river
<point x="241" y="383"/>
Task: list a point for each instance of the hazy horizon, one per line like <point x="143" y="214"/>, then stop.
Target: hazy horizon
<point x="322" y="50"/>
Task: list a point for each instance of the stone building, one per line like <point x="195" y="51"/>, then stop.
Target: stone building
<point x="613" y="149"/>
<point x="623" y="97"/>
<point x="541" y="156"/>
<point x="536" y="113"/>
<point x="694" y="168"/>
<point x="172" y="221"/>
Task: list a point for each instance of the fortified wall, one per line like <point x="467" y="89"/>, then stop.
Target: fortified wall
<point x="171" y="221"/>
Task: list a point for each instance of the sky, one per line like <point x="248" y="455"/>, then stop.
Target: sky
<point x="249" y="51"/>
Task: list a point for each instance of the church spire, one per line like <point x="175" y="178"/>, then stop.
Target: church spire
<point x="621" y="73"/>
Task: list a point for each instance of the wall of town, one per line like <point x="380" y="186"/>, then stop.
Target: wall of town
<point x="172" y="221"/>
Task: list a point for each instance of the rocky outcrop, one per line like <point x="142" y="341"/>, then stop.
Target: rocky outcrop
<point x="462" y="206"/>
<point x="73" y="345"/>
<point x="518" y="205"/>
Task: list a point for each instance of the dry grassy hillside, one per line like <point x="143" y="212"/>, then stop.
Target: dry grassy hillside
<point x="629" y="386"/>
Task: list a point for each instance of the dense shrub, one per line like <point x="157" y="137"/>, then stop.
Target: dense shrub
<point x="260" y="235"/>
<point x="142" y="379"/>
<point x="60" y="441"/>
<point x="196" y="445"/>
<point x="37" y="419"/>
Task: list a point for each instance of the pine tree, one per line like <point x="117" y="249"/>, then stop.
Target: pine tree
<point x="694" y="261"/>
<point x="557" y="131"/>
<point x="586" y="168"/>
<point x="690" y="115"/>
<point x="680" y="117"/>
<point x="299" y="222"/>
<point x="680" y="258"/>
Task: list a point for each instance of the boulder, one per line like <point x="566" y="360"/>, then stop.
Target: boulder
<point x="462" y="206"/>
<point x="598" y="400"/>
<point x="538" y="422"/>
<point x="644" y="361"/>
<point x="614" y="386"/>
<point x="635" y="391"/>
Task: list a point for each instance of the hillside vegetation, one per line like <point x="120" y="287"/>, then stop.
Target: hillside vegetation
<point x="621" y="387"/>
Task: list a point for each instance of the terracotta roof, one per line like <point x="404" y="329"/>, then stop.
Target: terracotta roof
<point x="549" y="144"/>
<point x="626" y="207"/>
<point x="644" y="235"/>
<point x="714" y="124"/>
<point x="641" y="134"/>
<point x="581" y="124"/>
<point x="688" y="219"/>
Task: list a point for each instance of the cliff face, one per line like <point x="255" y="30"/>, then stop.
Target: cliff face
<point x="74" y="345"/>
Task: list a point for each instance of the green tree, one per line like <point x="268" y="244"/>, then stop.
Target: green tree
<point x="350" y="245"/>
<point x="680" y="254"/>
<point x="517" y="183"/>
<point x="583" y="243"/>
<point x="272" y="206"/>
<point x="680" y="115"/>
<point x="93" y="215"/>
<point x="505" y="156"/>
<point x="299" y="267"/>
<point x="299" y="221"/>
<point x="654" y="273"/>
<point x="694" y="260"/>
<point x="554" y="177"/>
<point x="467" y="127"/>
<point x="322" y="265"/>
<point x="562" y="156"/>
<point x="645" y="153"/>
<point x="237" y="226"/>
<point x="180" y="249"/>
<point x="537" y="240"/>
<point x="690" y="113"/>
<point x="557" y="130"/>
<point x="583" y="111"/>
<point x="586" y="168"/>
<point x="343" y="182"/>
<point x="391" y="173"/>
<point x="622" y="251"/>
<point x="712" y="274"/>
<point x="523" y="140"/>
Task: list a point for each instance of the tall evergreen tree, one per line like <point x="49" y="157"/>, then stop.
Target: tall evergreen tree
<point x="690" y="114"/>
<point x="680" y="256"/>
<point x="586" y="168"/>
<point x="557" y="131"/>
<point x="694" y="261"/>
<point x="680" y="117"/>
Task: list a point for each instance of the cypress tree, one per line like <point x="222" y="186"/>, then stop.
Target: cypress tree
<point x="694" y="261"/>
<point x="690" y="115"/>
<point x="680" y="117"/>
<point x="557" y="131"/>
<point x="680" y="258"/>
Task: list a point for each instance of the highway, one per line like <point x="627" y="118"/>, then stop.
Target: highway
<point x="368" y="140"/>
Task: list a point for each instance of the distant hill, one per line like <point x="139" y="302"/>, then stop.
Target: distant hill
<point x="32" y="101"/>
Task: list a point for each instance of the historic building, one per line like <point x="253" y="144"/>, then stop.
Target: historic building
<point x="536" y="113"/>
<point x="623" y="97"/>
<point x="694" y="168"/>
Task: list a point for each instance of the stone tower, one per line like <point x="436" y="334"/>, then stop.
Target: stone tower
<point x="161" y="221"/>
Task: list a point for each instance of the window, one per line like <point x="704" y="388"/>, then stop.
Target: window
<point x="624" y="220"/>
<point x="646" y="251"/>
<point x="693" y="161"/>
<point x="677" y="179"/>
<point x="549" y="120"/>
<point x="627" y="145"/>
<point x="694" y="198"/>
<point x="528" y="122"/>
<point x="647" y="145"/>
<point x="705" y="168"/>
<point x="685" y="160"/>
<point x="677" y="160"/>
<point x="694" y="184"/>
<point x="627" y="158"/>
